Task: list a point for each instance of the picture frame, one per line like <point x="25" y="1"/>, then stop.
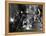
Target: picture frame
<point x="7" y="17"/>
